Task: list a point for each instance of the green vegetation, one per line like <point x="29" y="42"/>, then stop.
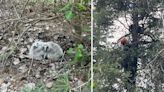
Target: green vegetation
<point x="62" y="84"/>
<point x="110" y="61"/>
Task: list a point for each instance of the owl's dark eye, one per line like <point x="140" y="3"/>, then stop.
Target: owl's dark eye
<point x="34" y="47"/>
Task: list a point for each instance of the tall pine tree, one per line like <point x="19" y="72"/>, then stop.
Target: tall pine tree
<point x="144" y="24"/>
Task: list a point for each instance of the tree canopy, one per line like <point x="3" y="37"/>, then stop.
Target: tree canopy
<point x="145" y="41"/>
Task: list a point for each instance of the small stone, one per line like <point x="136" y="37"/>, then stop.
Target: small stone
<point x="4" y="87"/>
<point x="23" y="50"/>
<point x="47" y="28"/>
<point x="16" y="61"/>
<point x="37" y="76"/>
<point x="31" y="39"/>
<point x="49" y="84"/>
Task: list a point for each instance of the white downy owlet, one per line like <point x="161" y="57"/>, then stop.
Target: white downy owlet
<point x="36" y="50"/>
<point x="53" y="51"/>
<point x="46" y="50"/>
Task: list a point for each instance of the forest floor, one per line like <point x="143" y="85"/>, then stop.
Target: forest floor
<point x="18" y="73"/>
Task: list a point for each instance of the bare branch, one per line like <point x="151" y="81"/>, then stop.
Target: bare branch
<point x="155" y="58"/>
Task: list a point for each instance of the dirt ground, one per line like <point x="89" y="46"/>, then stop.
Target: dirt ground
<point x="20" y="26"/>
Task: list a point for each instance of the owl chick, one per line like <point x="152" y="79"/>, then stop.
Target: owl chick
<point x="36" y="51"/>
<point x="53" y="51"/>
<point x="46" y="50"/>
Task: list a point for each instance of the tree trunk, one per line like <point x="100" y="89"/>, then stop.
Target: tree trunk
<point x="131" y="59"/>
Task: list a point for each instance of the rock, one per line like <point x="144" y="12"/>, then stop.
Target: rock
<point x="47" y="28"/>
<point x="16" y="61"/>
<point x="37" y="75"/>
<point x="4" y="87"/>
<point x="23" y="50"/>
<point x="49" y="84"/>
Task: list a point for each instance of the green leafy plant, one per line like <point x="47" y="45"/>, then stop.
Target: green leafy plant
<point x="69" y="15"/>
<point x="71" y="9"/>
<point x="77" y="15"/>
<point x="62" y="84"/>
<point x="78" y="52"/>
<point x="26" y="89"/>
<point x="39" y="88"/>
